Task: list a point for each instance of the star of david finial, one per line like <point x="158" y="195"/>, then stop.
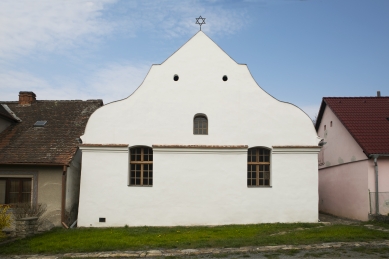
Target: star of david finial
<point x="200" y="21"/>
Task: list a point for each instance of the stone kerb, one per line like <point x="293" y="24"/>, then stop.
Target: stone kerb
<point x="26" y="227"/>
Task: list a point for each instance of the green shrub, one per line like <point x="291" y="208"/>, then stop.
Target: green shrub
<point x="5" y="219"/>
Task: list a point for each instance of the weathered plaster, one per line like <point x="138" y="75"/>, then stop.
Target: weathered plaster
<point x="47" y="184"/>
<point x="49" y="187"/>
<point x="73" y="176"/>
<point x="340" y="160"/>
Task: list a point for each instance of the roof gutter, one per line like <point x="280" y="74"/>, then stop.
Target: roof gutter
<point x="11" y="113"/>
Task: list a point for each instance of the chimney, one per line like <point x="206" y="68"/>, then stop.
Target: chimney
<point x="26" y="97"/>
<point x="378" y="93"/>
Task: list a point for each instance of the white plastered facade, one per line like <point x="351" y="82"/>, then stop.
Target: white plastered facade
<point x="206" y="185"/>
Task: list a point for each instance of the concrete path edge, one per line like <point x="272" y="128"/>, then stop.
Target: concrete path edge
<point x="201" y="251"/>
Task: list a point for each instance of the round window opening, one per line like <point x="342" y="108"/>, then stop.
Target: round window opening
<point x="225" y="78"/>
<point x="175" y="78"/>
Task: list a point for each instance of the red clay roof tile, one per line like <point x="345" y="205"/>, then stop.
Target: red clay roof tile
<point x="56" y="142"/>
<point x="366" y="118"/>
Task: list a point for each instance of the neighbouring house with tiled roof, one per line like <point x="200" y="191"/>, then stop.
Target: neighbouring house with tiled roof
<point x="354" y="160"/>
<point x="198" y="143"/>
<point x="39" y="154"/>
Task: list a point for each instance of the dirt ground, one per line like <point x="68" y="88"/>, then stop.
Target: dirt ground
<point x="336" y="220"/>
<point x="342" y="253"/>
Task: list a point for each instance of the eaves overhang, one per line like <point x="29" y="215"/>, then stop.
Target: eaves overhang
<point x="35" y="164"/>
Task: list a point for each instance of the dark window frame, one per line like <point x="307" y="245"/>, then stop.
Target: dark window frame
<point x="200" y="124"/>
<point x="259" y="167"/>
<point x="141" y="166"/>
<point x="20" y="192"/>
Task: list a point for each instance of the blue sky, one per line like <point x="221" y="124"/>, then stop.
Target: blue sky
<point x="297" y="50"/>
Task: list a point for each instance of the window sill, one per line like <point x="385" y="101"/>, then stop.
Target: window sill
<point x="259" y="186"/>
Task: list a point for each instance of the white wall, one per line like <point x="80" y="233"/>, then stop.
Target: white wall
<point x="197" y="187"/>
<point x="341" y="147"/>
<point x="161" y="110"/>
<point x="73" y="176"/>
<point x="343" y="190"/>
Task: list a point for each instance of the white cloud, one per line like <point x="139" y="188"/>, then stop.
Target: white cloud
<point x="49" y="25"/>
<point x="110" y="83"/>
<point x="177" y="18"/>
<point x="43" y="27"/>
<point x="11" y="82"/>
<point x="116" y="81"/>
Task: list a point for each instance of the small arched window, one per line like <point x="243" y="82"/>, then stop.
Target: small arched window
<point x="258" y="167"/>
<point x="200" y="125"/>
<point x="141" y="166"/>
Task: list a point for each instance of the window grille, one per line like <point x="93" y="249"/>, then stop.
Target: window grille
<point x="15" y="190"/>
<point x="200" y="125"/>
<point x="258" y="167"/>
<point x="141" y="166"/>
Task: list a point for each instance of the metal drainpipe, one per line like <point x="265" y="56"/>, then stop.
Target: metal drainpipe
<point x="377" y="204"/>
<point x="63" y="195"/>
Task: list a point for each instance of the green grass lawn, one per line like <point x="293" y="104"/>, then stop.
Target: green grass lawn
<point x="141" y="238"/>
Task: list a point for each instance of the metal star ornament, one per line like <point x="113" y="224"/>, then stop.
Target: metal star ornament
<point x="200" y="21"/>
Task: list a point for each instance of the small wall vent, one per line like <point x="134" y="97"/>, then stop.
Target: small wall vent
<point x="101" y="219"/>
<point x="40" y="123"/>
